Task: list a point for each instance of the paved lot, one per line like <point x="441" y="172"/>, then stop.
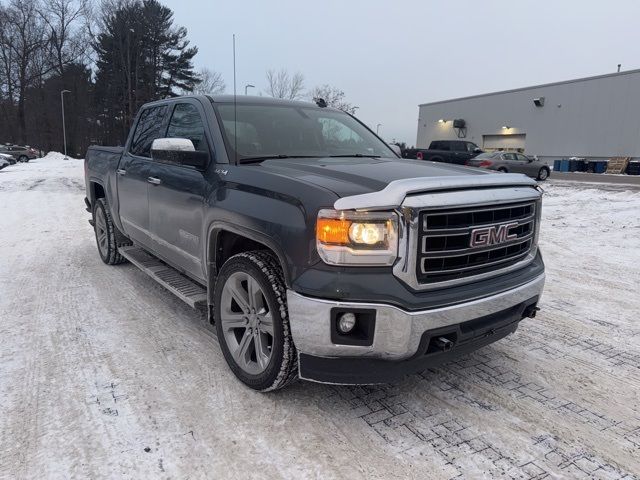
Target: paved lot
<point x="105" y="375"/>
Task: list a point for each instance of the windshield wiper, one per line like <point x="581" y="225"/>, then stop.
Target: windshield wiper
<point x="272" y="157"/>
<point x="356" y="155"/>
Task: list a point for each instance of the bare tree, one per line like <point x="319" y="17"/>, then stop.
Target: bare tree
<point x="25" y="37"/>
<point x="67" y="22"/>
<point x="334" y="98"/>
<point x="283" y="85"/>
<point x="210" y="83"/>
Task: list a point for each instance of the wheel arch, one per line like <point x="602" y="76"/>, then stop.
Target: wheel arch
<point x="225" y="240"/>
<point x="96" y="191"/>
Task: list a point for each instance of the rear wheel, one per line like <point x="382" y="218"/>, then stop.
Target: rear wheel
<point x="107" y="235"/>
<point x="503" y="170"/>
<point x="252" y="321"/>
<point x="543" y="174"/>
<point x="23" y="159"/>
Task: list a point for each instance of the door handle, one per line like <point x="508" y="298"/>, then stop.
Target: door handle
<point x="120" y="171"/>
<point x="154" y="180"/>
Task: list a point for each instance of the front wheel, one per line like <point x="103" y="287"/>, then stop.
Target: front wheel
<point x="543" y="174"/>
<point x="23" y="159"/>
<point x="252" y="321"/>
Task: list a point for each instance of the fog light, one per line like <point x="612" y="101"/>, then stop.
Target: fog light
<point x="346" y="322"/>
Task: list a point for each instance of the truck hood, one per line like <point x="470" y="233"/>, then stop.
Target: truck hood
<point x="381" y="183"/>
<point x="355" y="176"/>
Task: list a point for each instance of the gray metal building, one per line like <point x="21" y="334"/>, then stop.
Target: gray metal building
<point x="595" y="117"/>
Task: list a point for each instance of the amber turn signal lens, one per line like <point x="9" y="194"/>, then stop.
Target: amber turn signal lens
<point x="333" y="231"/>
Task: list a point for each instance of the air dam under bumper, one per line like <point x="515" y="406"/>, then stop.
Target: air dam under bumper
<point x="403" y="342"/>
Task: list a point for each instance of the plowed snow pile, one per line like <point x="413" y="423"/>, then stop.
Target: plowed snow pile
<point x="104" y="374"/>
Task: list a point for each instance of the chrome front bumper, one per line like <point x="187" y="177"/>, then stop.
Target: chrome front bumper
<point x="397" y="332"/>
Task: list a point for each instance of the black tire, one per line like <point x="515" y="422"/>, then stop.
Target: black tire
<point x="282" y="368"/>
<point x="543" y="174"/>
<point x="23" y="158"/>
<point x="503" y="170"/>
<point x="108" y="238"/>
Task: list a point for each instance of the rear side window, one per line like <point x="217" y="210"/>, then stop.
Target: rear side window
<point x="440" y="146"/>
<point x="150" y="126"/>
<point x="186" y="122"/>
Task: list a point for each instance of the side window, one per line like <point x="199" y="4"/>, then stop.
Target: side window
<point x="509" y="156"/>
<point x="149" y="128"/>
<point x="471" y="147"/>
<point x="521" y="157"/>
<point x="187" y="123"/>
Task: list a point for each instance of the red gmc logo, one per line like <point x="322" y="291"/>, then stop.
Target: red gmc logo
<point x="494" y="235"/>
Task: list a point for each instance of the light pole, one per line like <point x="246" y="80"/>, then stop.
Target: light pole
<point x="64" y="128"/>
<point x="378" y="128"/>
<point x="248" y="85"/>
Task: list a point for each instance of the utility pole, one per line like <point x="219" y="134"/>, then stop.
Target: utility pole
<point x="248" y="85"/>
<point x="64" y="128"/>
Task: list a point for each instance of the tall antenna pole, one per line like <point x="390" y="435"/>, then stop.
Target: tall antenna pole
<point x="235" y="107"/>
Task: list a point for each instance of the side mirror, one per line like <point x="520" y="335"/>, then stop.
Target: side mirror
<point x="396" y="149"/>
<point x="179" y="151"/>
<point x="477" y="150"/>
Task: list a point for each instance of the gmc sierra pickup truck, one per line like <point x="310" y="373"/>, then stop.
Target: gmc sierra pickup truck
<point x="446" y="151"/>
<point x="316" y="251"/>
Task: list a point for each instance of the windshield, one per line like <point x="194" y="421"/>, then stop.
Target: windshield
<point x="294" y="131"/>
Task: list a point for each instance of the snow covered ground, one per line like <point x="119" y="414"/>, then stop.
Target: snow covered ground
<point x="104" y="374"/>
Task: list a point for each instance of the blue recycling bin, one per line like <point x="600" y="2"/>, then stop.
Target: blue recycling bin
<point x="600" y="167"/>
<point x="633" y="168"/>
<point x="556" y="165"/>
<point x="564" y="165"/>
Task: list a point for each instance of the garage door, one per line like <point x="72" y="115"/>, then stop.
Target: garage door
<point x="511" y="143"/>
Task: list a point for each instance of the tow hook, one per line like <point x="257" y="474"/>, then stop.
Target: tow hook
<point x="530" y="311"/>
<point x="443" y="344"/>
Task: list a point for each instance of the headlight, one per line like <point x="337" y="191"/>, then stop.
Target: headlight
<point x="357" y="238"/>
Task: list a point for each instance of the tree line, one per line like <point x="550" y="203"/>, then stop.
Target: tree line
<point x="107" y="59"/>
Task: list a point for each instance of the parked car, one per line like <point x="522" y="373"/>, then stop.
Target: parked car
<point x="447" y="151"/>
<point x="4" y="161"/>
<point x="315" y="250"/>
<point x="512" y="162"/>
<point x="21" y="154"/>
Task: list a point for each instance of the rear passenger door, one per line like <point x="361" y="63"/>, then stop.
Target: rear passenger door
<point x="510" y="162"/>
<point x="176" y="196"/>
<point x="133" y="173"/>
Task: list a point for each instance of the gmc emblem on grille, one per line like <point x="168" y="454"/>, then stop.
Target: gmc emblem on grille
<point x="493" y="235"/>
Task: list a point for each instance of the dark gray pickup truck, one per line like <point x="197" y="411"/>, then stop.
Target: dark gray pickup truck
<point x="458" y="152"/>
<point x="315" y="250"/>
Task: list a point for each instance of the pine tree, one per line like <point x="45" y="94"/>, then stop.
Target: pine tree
<point x="141" y="56"/>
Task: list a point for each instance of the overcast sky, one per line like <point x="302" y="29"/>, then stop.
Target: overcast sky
<point x="390" y="56"/>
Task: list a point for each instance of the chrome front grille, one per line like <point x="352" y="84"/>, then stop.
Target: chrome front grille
<point x="458" y="243"/>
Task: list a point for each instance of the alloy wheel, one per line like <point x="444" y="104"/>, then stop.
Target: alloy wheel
<point x="101" y="232"/>
<point x="247" y="323"/>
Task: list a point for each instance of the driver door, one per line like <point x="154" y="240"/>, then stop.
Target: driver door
<point x="529" y="167"/>
<point x="176" y="196"/>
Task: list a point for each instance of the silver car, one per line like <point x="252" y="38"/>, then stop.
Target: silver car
<point x="4" y="162"/>
<point x="511" y="162"/>
<point x="19" y="153"/>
